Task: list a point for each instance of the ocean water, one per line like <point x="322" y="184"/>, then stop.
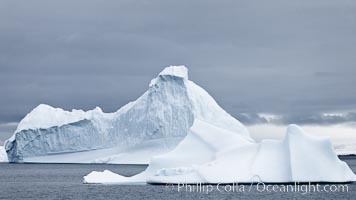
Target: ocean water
<point x="64" y="181"/>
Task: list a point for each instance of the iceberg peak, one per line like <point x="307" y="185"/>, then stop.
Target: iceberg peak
<point x="179" y="71"/>
<point x="43" y="106"/>
<point x="294" y="129"/>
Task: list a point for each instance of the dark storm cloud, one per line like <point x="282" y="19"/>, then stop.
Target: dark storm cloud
<point x="6" y="130"/>
<point x="292" y="58"/>
<point x="251" y="118"/>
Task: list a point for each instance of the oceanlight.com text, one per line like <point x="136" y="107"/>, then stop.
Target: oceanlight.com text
<point x="296" y="187"/>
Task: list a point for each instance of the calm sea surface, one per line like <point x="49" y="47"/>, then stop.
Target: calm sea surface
<point x="64" y="181"/>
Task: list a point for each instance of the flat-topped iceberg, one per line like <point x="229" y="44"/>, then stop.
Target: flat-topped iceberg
<point x="153" y="124"/>
<point x="210" y="154"/>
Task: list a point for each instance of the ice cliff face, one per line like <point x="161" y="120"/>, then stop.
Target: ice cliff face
<point x="164" y="113"/>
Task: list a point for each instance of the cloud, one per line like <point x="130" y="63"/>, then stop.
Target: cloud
<point x="302" y="119"/>
<point x="251" y="118"/>
<point x="6" y="130"/>
<point x="321" y="119"/>
<point x="287" y="58"/>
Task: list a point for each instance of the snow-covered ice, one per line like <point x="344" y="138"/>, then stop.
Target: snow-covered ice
<point x="210" y="154"/>
<point x="45" y="116"/>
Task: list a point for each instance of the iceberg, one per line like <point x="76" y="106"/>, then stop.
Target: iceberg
<point x="3" y="155"/>
<point x="152" y="125"/>
<point x="218" y="149"/>
<point x="210" y="154"/>
<point x="184" y="135"/>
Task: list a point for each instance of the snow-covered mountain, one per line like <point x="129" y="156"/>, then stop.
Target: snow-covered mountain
<point x="153" y="124"/>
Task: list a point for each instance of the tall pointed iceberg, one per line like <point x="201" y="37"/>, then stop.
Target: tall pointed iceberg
<point x="153" y="124"/>
<point x="218" y="149"/>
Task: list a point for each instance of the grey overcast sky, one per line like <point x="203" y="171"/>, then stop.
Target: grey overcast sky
<point x="296" y="59"/>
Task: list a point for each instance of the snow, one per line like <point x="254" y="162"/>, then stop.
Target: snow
<point x="206" y="109"/>
<point x="177" y="71"/>
<point x="39" y="117"/>
<point x="111" y="178"/>
<point x="175" y="171"/>
<point x="3" y="155"/>
<point x="214" y="155"/>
